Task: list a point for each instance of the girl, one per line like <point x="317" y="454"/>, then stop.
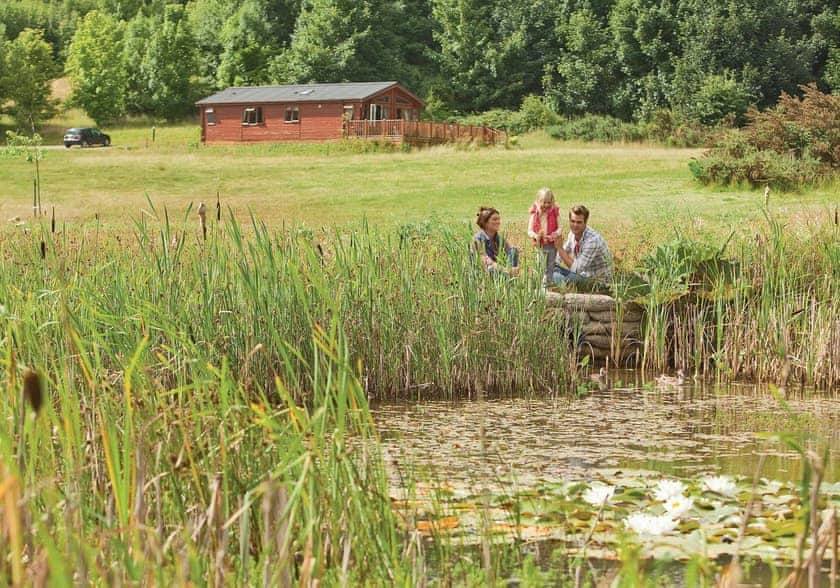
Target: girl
<point x="544" y="230"/>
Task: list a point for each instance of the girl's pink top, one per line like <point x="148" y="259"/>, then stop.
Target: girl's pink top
<point x="534" y="225"/>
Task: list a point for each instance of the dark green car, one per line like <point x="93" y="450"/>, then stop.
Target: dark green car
<point x="86" y="136"/>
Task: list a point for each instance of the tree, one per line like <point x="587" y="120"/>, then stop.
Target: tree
<point x="645" y="37"/>
<point x="832" y="70"/>
<point x="480" y="54"/>
<point x="30" y="58"/>
<point x="207" y="18"/>
<point x="342" y="40"/>
<point x="169" y="66"/>
<point x="136" y="38"/>
<point x="585" y="75"/>
<point x="753" y="39"/>
<point x="95" y="67"/>
<point x="252" y="37"/>
<point x="3" y="70"/>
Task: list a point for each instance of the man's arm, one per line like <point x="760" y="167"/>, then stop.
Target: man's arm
<point x="585" y="259"/>
<point x="565" y="255"/>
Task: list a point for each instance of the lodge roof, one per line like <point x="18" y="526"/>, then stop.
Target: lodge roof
<point x="298" y="93"/>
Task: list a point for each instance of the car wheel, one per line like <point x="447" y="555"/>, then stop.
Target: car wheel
<point x="67" y="146"/>
<point x="106" y="143"/>
<point x="84" y="143"/>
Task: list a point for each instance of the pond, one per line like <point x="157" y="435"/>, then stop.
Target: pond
<point x="684" y="457"/>
<point x="679" y="431"/>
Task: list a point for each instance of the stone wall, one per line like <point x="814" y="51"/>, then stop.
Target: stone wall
<point x="603" y="327"/>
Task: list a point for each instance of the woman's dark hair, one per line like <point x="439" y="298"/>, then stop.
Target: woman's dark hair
<point x="484" y="214"/>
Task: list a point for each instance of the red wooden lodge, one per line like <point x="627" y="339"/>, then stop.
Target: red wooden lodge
<point x="320" y="112"/>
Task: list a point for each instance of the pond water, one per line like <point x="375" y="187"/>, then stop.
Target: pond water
<point x="684" y="431"/>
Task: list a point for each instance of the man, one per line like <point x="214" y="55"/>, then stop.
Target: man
<point x="585" y="252"/>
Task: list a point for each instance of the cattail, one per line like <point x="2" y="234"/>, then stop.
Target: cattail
<point x="202" y="219"/>
<point x="43" y="249"/>
<point x="52" y="222"/>
<point x="218" y="207"/>
<point x="32" y="389"/>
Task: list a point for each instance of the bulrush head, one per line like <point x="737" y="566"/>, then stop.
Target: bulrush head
<point x="32" y="389"/>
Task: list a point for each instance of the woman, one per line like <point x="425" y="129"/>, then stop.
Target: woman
<point x="488" y="243"/>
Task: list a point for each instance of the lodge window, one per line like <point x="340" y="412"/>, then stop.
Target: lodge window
<point x="210" y="115"/>
<point x="292" y="114"/>
<point x="378" y="112"/>
<point x="252" y="116"/>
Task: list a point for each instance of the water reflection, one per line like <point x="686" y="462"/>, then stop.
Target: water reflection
<point x="685" y="431"/>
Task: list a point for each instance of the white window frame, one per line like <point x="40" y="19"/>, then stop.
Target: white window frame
<point x="378" y="111"/>
<point x="210" y="117"/>
<point x="256" y="119"/>
<point x="292" y="116"/>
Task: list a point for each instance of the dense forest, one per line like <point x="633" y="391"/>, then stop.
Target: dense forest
<point x="705" y="60"/>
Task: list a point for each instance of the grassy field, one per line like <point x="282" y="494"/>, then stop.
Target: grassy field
<point x="635" y="192"/>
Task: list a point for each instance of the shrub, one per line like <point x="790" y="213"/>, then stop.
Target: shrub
<point x="533" y="114"/>
<point x="597" y="128"/>
<point x="509" y="121"/>
<point x="791" y="145"/>
<point x="668" y="127"/>
<point x="719" y="98"/>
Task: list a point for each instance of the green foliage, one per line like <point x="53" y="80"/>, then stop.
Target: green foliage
<point x="481" y="51"/>
<point x="671" y="128"/>
<point x="832" y="69"/>
<point x="169" y="67"/>
<point x="95" y="67"/>
<point x="757" y="39"/>
<point x="341" y="40"/>
<point x="4" y="74"/>
<point x="29" y="59"/>
<point x="583" y="79"/>
<point x="533" y="114"/>
<point x="719" y="98"/>
<point x="207" y="18"/>
<point x="792" y="145"/>
<point x="597" y="128"/>
<point x="251" y="37"/>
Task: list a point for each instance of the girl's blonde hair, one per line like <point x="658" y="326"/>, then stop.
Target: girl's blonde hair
<point x="545" y="194"/>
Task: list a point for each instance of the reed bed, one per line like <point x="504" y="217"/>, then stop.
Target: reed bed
<point x="766" y="311"/>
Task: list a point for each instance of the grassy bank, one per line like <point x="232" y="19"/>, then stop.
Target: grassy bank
<point x="636" y="193"/>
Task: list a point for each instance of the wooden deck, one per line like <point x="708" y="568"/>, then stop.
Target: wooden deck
<point x="421" y="132"/>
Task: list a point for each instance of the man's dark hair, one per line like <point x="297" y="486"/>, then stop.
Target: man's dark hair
<point x="580" y="210"/>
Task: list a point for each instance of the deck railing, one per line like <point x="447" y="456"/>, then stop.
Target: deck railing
<point x="417" y="131"/>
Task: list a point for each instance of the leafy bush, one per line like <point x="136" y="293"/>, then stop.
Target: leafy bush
<point x="668" y="127"/>
<point x="509" y="121"/>
<point x="533" y="114"/>
<point x="597" y="128"/>
<point x="718" y="99"/>
<point x="789" y="146"/>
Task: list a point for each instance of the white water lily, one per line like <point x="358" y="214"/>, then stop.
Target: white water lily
<point x="598" y="494"/>
<point x="677" y="506"/>
<point x="646" y="524"/>
<point x="666" y="489"/>
<point x="723" y="485"/>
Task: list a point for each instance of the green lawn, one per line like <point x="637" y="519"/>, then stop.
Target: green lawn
<point x="635" y="192"/>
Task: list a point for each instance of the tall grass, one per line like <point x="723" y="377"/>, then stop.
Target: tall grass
<point x="764" y="309"/>
<point x="419" y="315"/>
